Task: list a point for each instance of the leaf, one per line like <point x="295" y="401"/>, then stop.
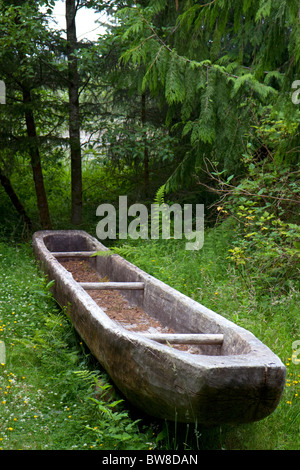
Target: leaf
<point x="264" y="11"/>
<point x="240" y="82"/>
<point x="102" y="253"/>
<point x="50" y="284"/>
<point x="174" y="85"/>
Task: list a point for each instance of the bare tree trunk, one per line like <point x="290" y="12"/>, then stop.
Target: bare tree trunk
<point x="146" y="152"/>
<point x="36" y="162"/>
<point x="74" y="119"/>
<point x="6" y="183"/>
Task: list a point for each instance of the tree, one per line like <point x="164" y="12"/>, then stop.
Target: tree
<point x="216" y="64"/>
<point x="23" y="40"/>
<point x="134" y="142"/>
<point x="35" y="158"/>
<point x="74" y="117"/>
<point x="8" y="187"/>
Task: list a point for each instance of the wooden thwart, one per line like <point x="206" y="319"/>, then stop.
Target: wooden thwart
<point x="187" y="338"/>
<point x="73" y="254"/>
<point x="111" y="285"/>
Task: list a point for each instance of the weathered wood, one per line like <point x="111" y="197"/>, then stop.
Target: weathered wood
<point x="72" y="254"/>
<point x="239" y="381"/>
<point x="111" y="285"/>
<point x="185" y="338"/>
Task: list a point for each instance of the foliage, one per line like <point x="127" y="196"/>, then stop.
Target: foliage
<point x="211" y="278"/>
<point x="121" y="151"/>
<point x="116" y="430"/>
<point x="188" y="101"/>
<point x="268" y="247"/>
<point x="215" y="68"/>
<point x="48" y="381"/>
<point x="265" y="205"/>
<point x="26" y="55"/>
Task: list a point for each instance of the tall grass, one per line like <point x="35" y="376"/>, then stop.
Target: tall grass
<point x="47" y="383"/>
<point x="49" y="397"/>
<point x="210" y="278"/>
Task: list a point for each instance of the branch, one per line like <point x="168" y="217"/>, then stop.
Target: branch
<point x="185" y="59"/>
<point x="228" y="189"/>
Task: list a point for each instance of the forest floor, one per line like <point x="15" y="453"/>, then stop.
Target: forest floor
<point x="48" y="380"/>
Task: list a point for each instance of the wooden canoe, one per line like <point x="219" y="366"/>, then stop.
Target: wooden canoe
<point x="233" y="378"/>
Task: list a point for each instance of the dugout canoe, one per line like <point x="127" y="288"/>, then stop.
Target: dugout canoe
<point x="234" y="378"/>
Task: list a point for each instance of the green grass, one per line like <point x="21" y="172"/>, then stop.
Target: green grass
<point x="208" y="277"/>
<point x="48" y="397"/>
<point x="47" y="384"/>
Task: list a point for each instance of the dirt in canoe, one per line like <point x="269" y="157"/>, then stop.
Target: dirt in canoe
<point x="116" y="306"/>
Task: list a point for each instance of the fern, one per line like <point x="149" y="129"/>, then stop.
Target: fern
<point x="86" y="375"/>
<point x="124" y="250"/>
<point x="174" y="84"/>
<point x="160" y="194"/>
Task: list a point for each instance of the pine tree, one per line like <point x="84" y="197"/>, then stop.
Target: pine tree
<point x="222" y="65"/>
<point x="21" y="46"/>
<point x="74" y="113"/>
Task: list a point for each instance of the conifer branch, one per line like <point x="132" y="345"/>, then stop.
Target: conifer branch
<point x="166" y="46"/>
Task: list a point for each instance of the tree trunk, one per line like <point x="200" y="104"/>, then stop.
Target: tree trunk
<point x="36" y="162"/>
<point x="146" y="152"/>
<point x="6" y="183"/>
<point x="74" y="119"/>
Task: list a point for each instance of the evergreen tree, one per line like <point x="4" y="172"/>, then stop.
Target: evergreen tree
<point x="222" y="66"/>
<point x="74" y="117"/>
<point x="132" y="140"/>
<point x="25" y="46"/>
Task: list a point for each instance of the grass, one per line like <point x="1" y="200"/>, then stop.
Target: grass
<point x="271" y="315"/>
<point x="47" y="382"/>
<point x="48" y="397"/>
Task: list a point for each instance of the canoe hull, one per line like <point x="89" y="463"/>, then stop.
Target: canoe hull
<point x="242" y="383"/>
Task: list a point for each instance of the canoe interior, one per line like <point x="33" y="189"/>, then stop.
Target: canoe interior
<point x="162" y="303"/>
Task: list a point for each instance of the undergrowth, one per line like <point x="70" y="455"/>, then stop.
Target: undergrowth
<point x="50" y="397"/>
<point x="54" y="395"/>
<point x="210" y="277"/>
